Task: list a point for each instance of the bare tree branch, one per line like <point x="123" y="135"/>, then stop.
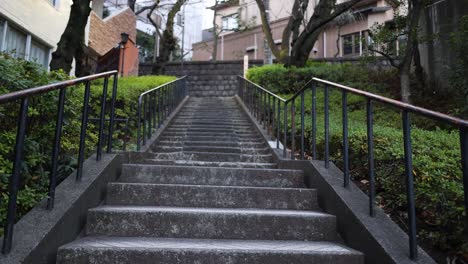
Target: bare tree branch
<point x="387" y="56"/>
<point x="267" y="29"/>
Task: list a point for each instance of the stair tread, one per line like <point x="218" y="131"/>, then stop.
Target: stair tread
<point x="200" y="210"/>
<point x="214" y="186"/>
<point x="178" y="244"/>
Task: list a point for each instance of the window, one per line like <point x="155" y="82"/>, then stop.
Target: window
<point x="352" y="44"/>
<point x="15" y="42"/>
<point x="230" y="22"/>
<point x="22" y="45"/>
<point x="2" y="28"/>
<point x="39" y="53"/>
<point x="348" y="45"/>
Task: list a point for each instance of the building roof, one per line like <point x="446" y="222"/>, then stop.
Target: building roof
<point x="224" y="4"/>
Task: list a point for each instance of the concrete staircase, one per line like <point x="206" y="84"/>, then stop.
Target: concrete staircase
<point x="209" y="193"/>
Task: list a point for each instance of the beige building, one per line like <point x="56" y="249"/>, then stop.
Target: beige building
<point x="335" y="40"/>
<point x="31" y="29"/>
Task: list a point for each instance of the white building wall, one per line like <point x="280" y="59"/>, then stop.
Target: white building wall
<point x="38" y="18"/>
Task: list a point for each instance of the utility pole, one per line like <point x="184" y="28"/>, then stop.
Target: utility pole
<point x="268" y="58"/>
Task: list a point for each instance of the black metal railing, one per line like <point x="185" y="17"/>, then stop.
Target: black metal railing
<point x="156" y="105"/>
<point x="257" y="100"/>
<point x="24" y="97"/>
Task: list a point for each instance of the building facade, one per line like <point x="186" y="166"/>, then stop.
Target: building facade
<point x="31" y="29"/>
<point x="337" y="40"/>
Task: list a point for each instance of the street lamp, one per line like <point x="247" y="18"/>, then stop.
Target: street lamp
<point x="123" y="43"/>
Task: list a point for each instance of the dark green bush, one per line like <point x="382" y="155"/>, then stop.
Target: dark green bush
<point x="279" y="79"/>
<point x="436" y="154"/>
<point x="19" y="74"/>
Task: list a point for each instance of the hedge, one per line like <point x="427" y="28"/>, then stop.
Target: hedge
<point x="18" y="74"/>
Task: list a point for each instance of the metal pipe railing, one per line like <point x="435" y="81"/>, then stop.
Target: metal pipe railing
<point x="24" y="96"/>
<point x="155" y="106"/>
<point x="248" y="92"/>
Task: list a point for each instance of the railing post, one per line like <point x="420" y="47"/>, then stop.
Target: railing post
<point x="102" y="119"/>
<point x="302" y="126"/>
<point x="278" y="122"/>
<point x="327" y="128"/>
<point x="84" y="126"/>
<point x="112" y="114"/>
<point x="293" y="128"/>
<point x="139" y="123"/>
<point x="56" y="150"/>
<point x="314" y="121"/>
<point x="269" y="113"/>
<point x="345" y="140"/>
<point x="370" y="157"/>
<point x="464" y="163"/>
<point x="15" y="178"/>
<point x="285" y="130"/>
<point x="413" y="247"/>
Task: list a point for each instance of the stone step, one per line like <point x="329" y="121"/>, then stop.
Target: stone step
<point x="143" y="194"/>
<point x="210" y="223"/>
<point x="214" y="119"/>
<point x="212" y="176"/>
<point x="230" y="133"/>
<point x="202" y="122"/>
<point x="166" y="137"/>
<point x="211" y="130"/>
<point x="211" y="126"/>
<point x="226" y="144"/>
<point x="212" y="149"/>
<point x="210" y="163"/>
<point x="186" y="122"/>
<point x="214" y="157"/>
<point x="130" y="250"/>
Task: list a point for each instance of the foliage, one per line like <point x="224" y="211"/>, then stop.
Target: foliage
<point x="146" y="43"/>
<point x="436" y="155"/>
<point x="280" y="79"/>
<point x="18" y="74"/>
<point x="459" y="41"/>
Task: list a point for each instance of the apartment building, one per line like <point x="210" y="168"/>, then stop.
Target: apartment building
<point x="337" y="40"/>
<point x="31" y="29"/>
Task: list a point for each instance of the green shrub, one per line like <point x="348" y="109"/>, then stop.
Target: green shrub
<point x="18" y="74"/>
<point x="436" y="156"/>
<point x="279" y="79"/>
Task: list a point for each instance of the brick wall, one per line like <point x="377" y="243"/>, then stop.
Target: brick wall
<point x="105" y="34"/>
<point x="206" y="79"/>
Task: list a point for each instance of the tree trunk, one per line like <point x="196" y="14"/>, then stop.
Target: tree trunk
<point x="168" y="41"/>
<point x="405" y="85"/>
<point x="72" y="39"/>
<point x="301" y="50"/>
<point x="338" y="42"/>
<point x="131" y="4"/>
<point x="418" y="69"/>
<point x="214" y="54"/>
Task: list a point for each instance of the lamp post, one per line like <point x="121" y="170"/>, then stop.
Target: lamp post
<point x="123" y="43"/>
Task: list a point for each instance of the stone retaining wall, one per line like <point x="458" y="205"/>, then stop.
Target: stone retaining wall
<point x="206" y="79"/>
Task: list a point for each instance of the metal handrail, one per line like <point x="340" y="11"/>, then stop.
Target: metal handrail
<point x="4" y="98"/>
<point x="400" y="105"/>
<point x="156" y="105"/>
<point x="257" y="100"/>
<point x="263" y="89"/>
<point x="24" y="96"/>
